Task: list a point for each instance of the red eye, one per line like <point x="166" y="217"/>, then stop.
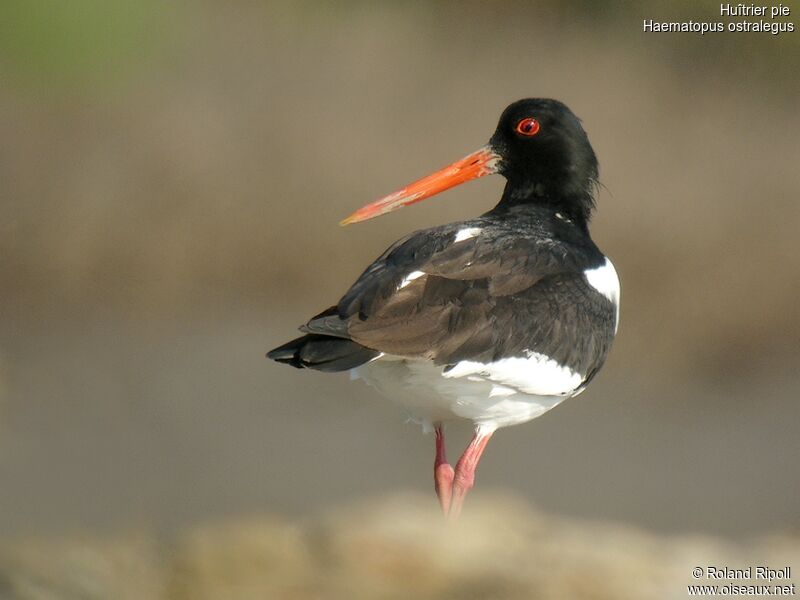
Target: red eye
<point x="528" y="126"/>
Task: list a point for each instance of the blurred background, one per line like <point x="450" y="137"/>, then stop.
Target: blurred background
<point x="171" y="178"/>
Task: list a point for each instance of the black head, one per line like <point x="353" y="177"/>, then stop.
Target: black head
<point x="540" y="148"/>
<point x="546" y="157"/>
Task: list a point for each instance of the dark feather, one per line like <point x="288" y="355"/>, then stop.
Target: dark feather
<point x="323" y="353"/>
<point x="517" y="286"/>
<point x="327" y="323"/>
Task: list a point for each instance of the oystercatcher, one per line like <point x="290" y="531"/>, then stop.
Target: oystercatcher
<point x="494" y="320"/>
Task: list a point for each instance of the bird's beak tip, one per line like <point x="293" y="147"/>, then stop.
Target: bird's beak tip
<point x="479" y="163"/>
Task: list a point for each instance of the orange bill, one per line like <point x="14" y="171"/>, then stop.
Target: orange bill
<point x="480" y="163"/>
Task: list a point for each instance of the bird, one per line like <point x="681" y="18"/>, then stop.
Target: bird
<point x="492" y="320"/>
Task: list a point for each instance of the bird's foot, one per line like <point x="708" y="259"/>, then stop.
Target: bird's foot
<point x="442" y="472"/>
<point x="452" y="485"/>
<point x="443" y="476"/>
<point x="464" y="475"/>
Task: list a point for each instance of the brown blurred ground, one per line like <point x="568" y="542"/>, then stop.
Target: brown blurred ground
<point x="393" y="547"/>
<point x="170" y="185"/>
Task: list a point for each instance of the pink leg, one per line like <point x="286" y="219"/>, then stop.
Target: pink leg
<point x="442" y="472"/>
<point x="464" y="477"/>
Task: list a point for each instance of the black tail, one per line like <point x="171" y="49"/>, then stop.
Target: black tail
<point x="323" y="353"/>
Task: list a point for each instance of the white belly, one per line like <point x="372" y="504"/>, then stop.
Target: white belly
<point x="491" y="396"/>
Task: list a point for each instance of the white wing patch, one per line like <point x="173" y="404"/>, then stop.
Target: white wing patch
<point x="465" y="234"/>
<point x="409" y="278"/>
<point x="533" y="374"/>
<point x="605" y="280"/>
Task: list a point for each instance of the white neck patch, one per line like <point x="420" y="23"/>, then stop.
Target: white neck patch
<point x="605" y="280"/>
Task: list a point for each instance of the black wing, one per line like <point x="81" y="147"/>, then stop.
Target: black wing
<point x="495" y="294"/>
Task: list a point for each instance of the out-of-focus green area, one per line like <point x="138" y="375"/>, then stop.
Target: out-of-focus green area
<point x="170" y="182"/>
<point x="53" y="47"/>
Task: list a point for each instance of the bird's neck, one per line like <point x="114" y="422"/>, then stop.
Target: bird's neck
<point x="575" y="205"/>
